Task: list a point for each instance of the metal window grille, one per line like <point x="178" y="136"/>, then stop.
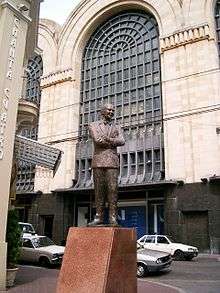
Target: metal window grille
<point x="26" y="171"/>
<point x="121" y="66"/>
<point x="34" y="71"/>
<point x="217" y="22"/>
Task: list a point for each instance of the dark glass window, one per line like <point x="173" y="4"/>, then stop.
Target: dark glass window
<point x="121" y="66"/>
<point x="124" y="69"/>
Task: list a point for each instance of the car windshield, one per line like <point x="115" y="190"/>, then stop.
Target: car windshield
<point x="42" y="242"/>
<point x="27" y="228"/>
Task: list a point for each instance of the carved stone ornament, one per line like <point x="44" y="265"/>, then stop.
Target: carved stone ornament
<point x="186" y="36"/>
<point x="58" y="76"/>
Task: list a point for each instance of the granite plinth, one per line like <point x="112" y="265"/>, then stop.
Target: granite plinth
<point x="99" y="260"/>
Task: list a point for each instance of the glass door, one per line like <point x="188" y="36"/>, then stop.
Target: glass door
<point x="156" y="218"/>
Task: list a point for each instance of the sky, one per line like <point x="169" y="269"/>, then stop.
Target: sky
<point x="57" y="10"/>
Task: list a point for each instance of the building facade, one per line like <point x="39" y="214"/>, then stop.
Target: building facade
<point x="157" y="62"/>
<point x="18" y="26"/>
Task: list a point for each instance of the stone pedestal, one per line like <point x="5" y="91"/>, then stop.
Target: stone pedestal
<point x="99" y="260"/>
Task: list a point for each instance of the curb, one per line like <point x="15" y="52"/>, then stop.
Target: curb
<point x="160" y="287"/>
<point x="209" y="256"/>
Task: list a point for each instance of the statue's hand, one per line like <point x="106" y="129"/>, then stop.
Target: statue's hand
<point x="102" y="139"/>
<point x="115" y="134"/>
<point x="108" y="139"/>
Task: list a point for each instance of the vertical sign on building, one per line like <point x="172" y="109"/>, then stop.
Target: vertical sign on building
<point x="7" y="92"/>
<point x="13" y="29"/>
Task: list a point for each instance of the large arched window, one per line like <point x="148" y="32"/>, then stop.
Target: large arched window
<point x="217" y="21"/>
<point x="26" y="171"/>
<point x="121" y="65"/>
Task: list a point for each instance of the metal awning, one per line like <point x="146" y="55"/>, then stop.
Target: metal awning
<point x="31" y="151"/>
<point x="121" y="188"/>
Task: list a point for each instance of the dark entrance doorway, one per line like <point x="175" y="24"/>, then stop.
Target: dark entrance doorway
<point x="48" y="225"/>
<point x="196" y="229"/>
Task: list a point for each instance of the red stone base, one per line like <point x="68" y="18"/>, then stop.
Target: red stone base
<point x="99" y="260"/>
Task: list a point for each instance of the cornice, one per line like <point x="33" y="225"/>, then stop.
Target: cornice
<point x="56" y="77"/>
<point x="186" y="36"/>
<point x="15" y="9"/>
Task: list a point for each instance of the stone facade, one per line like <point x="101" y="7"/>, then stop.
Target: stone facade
<point x="18" y="19"/>
<point x="190" y="93"/>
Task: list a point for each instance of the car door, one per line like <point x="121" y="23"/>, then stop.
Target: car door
<point x="28" y="251"/>
<point x="163" y="244"/>
<point x="149" y="242"/>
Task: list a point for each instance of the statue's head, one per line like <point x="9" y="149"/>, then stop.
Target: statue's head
<point x="107" y="111"/>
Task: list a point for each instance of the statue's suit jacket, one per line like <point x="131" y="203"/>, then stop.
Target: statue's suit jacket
<point x="105" y="153"/>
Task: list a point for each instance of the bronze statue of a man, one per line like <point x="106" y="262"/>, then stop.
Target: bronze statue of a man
<point x="107" y="136"/>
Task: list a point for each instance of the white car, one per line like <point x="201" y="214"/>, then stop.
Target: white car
<point x="162" y="243"/>
<point x="151" y="261"/>
<point x="27" y="229"/>
<point x="42" y="250"/>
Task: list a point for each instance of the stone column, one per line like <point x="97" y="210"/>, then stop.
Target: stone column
<point x="13" y="29"/>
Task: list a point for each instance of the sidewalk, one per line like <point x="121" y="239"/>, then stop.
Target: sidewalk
<point x="209" y="256"/>
<point x="32" y="279"/>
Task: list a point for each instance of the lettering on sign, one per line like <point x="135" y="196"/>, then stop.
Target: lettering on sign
<point x="6" y="91"/>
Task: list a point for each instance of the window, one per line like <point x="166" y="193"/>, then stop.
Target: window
<point x="161" y="239"/>
<point x="124" y="165"/>
<point x="34" y="71"/>
<point x="142" y="239"/>
<point x="27" y="243"/>
<point x="126" y="63"/>
<point x="150" y="239"/>
<point x="26" y="171"/>
<point x="121" y="65"/>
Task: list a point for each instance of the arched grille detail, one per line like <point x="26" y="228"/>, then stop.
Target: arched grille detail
<point x="121" y="66"/>
<point x="34" y="71"/>
<point x="217" y="22"/>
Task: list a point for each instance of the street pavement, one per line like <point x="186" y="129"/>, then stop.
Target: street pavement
<point x="33" y="279"/>
<point x="201" y="275"/>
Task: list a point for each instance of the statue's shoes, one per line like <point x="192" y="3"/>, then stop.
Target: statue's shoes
<point x="95" y="222"/>
<point x="113" y="222"/>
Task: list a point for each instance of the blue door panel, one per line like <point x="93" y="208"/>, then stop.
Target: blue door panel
<point x="133" y="217"/>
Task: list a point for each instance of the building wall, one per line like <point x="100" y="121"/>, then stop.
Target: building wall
<point x="190" y="74"/>
<point x="57" y="206"/>
<point x="14" y="24"/>
<point x="190" y="92"/>
<point x="192" y="214"/>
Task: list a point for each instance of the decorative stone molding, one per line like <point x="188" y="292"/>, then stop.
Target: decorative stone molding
<point x="18" y="12"/>
<point x="187" y="36"/>
<point x="58" y="76"/>
<point x="27" y="113"/>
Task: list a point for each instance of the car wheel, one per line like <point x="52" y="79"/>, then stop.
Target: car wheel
<point x="44" y="261"/>
<point x="141" y="270"/>
<point x="179" y="255"/>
